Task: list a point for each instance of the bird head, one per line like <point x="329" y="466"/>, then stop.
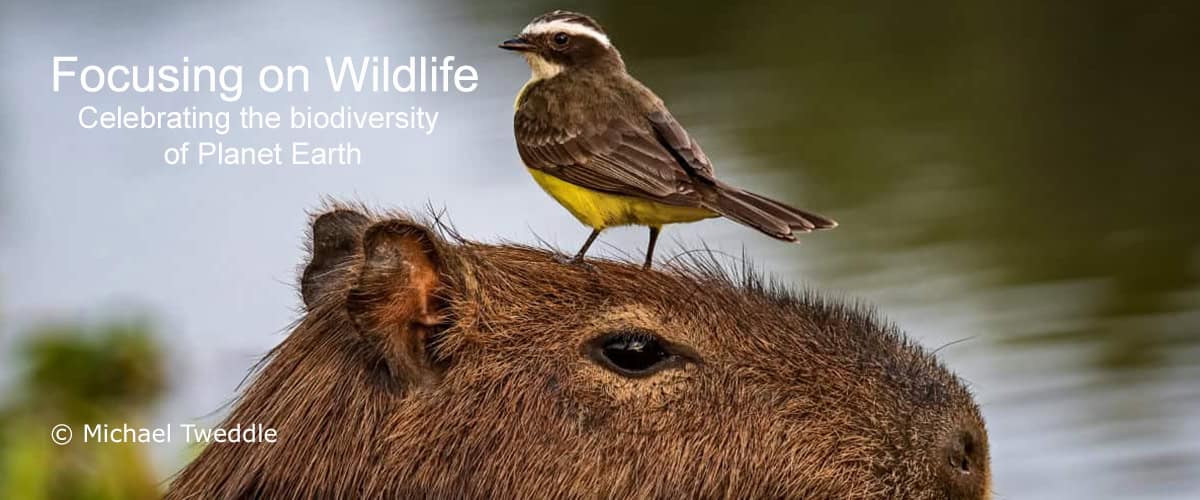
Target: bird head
<point x="561" y="41"/>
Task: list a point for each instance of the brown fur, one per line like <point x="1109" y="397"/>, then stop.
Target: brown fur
<point x="427" y="366"/>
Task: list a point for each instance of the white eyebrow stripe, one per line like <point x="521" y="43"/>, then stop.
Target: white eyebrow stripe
<point x="542" y="28"/>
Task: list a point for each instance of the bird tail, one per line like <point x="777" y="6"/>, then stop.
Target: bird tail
<point x="770" y="217"/>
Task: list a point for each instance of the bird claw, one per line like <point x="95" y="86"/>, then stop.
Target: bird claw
<point x="575" y="261"/>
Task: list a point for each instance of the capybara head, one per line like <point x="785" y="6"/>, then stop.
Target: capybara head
<point x="430" y="366"/>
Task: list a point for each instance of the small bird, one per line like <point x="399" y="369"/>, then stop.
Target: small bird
<point x="608" y="150"/>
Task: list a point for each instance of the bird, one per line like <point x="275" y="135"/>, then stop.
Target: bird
<point x="607" y="149"/>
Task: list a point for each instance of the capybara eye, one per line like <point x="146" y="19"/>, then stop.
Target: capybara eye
<point x="633" y="353"/>
<point x="561" y="38"/>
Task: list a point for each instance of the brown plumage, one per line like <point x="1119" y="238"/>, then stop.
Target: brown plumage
<point x="648" y="155"/>
<point x="429" y="366"/>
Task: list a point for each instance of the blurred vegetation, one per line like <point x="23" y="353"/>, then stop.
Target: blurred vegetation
<point x="78" y="375"/>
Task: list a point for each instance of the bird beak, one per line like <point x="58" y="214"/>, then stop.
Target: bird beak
<point x="518" y="44"/>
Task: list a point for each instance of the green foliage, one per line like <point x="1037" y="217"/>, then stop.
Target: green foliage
<point x="75" y="376"/>
<point x="116" y="369"/>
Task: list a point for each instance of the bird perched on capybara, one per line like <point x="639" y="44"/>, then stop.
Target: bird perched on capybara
<point x="429" y="366"/>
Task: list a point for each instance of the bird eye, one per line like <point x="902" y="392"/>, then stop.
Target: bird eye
<point x="633" y="353"/>
<point x="561" y="38"/>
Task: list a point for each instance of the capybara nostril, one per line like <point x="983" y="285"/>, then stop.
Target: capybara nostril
<point x="966" y="462"/>
<point x="963" y="447"/>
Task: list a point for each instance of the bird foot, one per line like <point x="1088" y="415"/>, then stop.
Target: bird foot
<point x="576" y="261"/>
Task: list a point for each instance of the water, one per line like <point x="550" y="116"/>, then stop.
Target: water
<point x="1016" y="184"/>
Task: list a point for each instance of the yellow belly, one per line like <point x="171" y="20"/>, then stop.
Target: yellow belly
<point x="601" y="210"/>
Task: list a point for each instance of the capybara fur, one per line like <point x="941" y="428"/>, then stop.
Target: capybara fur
<point x="430" y="366"/>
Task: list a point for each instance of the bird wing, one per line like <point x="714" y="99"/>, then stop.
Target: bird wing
<point x="651" y="158"/>
<point x="683" y="148"/>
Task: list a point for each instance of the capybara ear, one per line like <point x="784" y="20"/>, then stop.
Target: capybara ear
<point x="395" y="302"/>
<point x="336" y="240"/>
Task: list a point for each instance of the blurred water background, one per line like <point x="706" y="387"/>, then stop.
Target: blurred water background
<point x="1017" y="185"/>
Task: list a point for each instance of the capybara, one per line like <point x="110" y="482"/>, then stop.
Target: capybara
<point x="430" y="366"/>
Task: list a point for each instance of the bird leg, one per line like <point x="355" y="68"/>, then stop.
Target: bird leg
<point x="650" y="249"/>
<point x="578" y="259"/>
